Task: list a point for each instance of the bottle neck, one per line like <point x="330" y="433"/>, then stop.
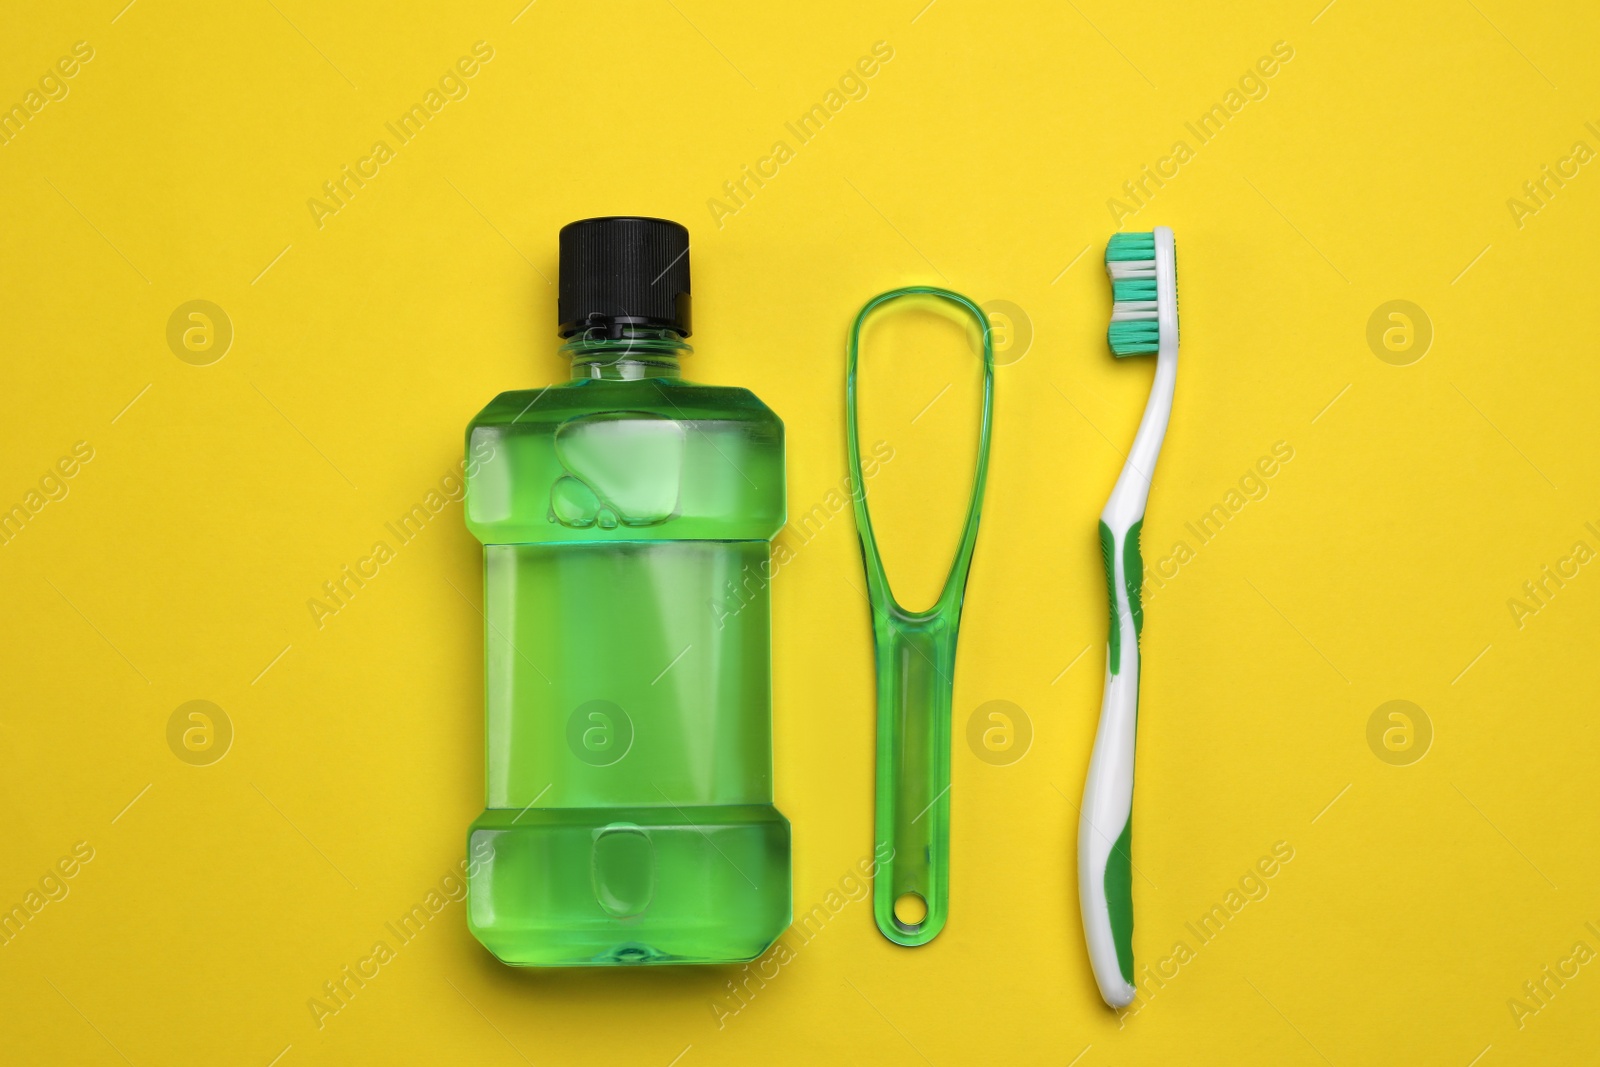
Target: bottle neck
<point x="637" y="354"/>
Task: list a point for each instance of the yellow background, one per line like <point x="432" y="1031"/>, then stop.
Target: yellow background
<point x="1378" y="567"/>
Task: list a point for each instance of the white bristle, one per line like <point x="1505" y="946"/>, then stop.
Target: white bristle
<point x="1133" y="268"/>
<point x="1133" y="310"/>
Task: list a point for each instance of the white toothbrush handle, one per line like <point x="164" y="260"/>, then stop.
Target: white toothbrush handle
<point x="1105" y="866"/>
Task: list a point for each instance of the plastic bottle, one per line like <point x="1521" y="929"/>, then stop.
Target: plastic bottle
<point x="626" y="518"/>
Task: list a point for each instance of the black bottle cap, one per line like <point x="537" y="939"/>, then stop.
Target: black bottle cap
<point x="623" y="270"/>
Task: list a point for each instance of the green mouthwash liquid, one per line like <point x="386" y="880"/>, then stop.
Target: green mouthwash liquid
<point x="626" y="518"/>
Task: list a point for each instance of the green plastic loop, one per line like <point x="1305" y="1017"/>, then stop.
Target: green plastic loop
<point x="915" y="653"/>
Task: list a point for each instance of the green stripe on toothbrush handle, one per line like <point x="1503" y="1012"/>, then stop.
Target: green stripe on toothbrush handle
<point x="1108" y="556"/>
<point x="1119" y="864"/>
<point x="1133" y="575"/>
<point x="1133" y="584"/>
<point x="1119" y="898"/>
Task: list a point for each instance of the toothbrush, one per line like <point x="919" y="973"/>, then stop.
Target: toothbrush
<point x="1144" y="320"/>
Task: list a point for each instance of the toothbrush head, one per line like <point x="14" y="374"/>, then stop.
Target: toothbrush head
<point x="1144" y="292"/>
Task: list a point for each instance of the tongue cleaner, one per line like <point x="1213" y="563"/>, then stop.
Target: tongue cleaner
<point x="916" y="656"/>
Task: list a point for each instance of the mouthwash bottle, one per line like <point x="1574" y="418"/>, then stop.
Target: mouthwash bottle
<point x="626" y="518"/>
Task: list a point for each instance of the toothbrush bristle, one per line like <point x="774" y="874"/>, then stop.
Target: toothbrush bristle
<point x="1126" y="246"/>
<point x="1131" y="263"/>
<point x="1134" y="338"/>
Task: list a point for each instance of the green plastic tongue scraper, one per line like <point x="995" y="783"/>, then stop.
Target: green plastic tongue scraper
<point x="916" y="656"/>
<point x="1144" y="321"/>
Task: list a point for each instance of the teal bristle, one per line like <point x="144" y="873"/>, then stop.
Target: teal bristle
<point x="1137" y="338"/>
<point x="1133" y="289"/>
<point x="1125" y="246"/>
